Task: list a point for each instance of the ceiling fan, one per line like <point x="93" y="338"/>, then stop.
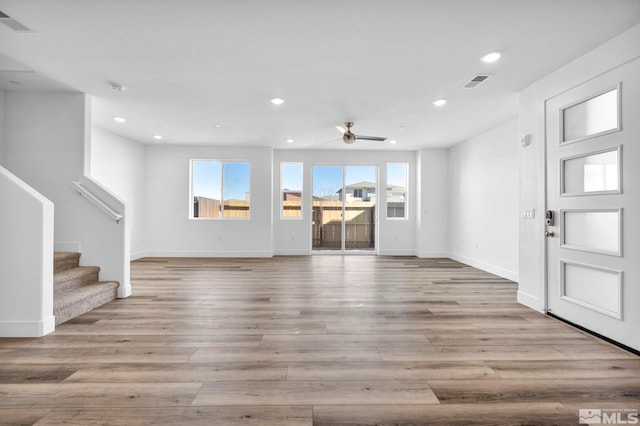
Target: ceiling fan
<point x="349" y="137"/>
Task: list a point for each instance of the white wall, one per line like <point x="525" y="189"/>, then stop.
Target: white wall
<point x="615" y="52"/>
<point x="170" y="232"/>
<point x="483" y="201"/>
<point x="168" y="229"/>
<point x="118" y="163"/>
<point x="26" y="260"/>
<point x="1" y="127"/>
<point x="432" y="204"/>
<point x="395" y="237"/>
<point x="45" y="135"/>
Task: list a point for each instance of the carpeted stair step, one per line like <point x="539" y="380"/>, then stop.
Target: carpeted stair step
<point x="70" y="303"/>
<point x="74" y="278"/>
<point x="76" y="289"/>
<point x="65" y="260"/>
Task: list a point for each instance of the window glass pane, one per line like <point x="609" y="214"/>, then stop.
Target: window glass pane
<point x="326" y="216"/>
<point x="291" y="190"/>
<point x="206" y="184"/>
<point x="596" y="115"/>
<point x="397" y="190"/>
<point x="360" y="199"/>
<point x="591" y="173"/>
<point x="235" y="189"/>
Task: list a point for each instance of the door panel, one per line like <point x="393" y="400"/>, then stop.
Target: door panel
<point x="360" y="191"/>
<point x="593" y="245"/>
<point x="326" y="222"/>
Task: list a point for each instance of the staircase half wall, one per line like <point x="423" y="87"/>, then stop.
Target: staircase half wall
<point x="26" y="260"/>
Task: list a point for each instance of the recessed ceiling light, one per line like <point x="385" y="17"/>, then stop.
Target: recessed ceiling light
<point x="218" y="125"/>
<point x="119" y="119"/>
<point x="157" y="137"/>
<point x="439" y="102"/>
<point x="277" y="101"/>
<point x="393" y="141"/>
<point x="491" y="57"/>
<point x="290" y="140"/>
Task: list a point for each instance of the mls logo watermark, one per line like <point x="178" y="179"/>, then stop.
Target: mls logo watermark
<point x="612" y="416"/>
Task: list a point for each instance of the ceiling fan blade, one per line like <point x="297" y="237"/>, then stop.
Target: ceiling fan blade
<point x="332" y="141"/>
<point x="341" y="129"/>
<point x="371" y="138"/>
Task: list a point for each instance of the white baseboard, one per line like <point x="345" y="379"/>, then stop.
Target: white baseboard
<point x="27" y="328"/>
<point x="137" y="255"/>
<point x="292" y="252"/>
<point x="399" y="252"/>
<point x="72" y="246"/>
<point x="433" y="254"/>
<point x="494" y="269"/>
<point x="208" y="253"/>
<point x="530" y="301"/>
<point x="124" y="291"/>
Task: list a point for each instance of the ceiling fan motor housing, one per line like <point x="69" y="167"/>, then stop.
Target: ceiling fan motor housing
<point x="348" y="137"/>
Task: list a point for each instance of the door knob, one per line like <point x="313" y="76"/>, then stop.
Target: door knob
<point x="548" y="233"/>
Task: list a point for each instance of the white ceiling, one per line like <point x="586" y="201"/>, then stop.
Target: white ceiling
<point x="189" y="65"/>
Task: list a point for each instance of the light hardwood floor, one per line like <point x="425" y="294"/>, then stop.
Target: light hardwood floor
<point x="322" y="340"/>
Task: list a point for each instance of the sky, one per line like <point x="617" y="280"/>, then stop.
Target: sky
<point x="291" y="176"/>
<point x="207" y="178"/>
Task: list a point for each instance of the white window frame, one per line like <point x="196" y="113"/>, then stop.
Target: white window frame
<point x="222" y="163"/>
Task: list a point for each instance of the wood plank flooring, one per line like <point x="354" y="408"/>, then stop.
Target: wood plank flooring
<point x="318" y="340"/>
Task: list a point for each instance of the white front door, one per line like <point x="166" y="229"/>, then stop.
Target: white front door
<point x="593" y="196"/>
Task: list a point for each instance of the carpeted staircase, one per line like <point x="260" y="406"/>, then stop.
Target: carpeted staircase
<point x="76" y="289"/>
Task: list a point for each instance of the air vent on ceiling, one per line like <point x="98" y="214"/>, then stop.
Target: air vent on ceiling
<point x="13" y="24"/>
<point x="476" y="81"/>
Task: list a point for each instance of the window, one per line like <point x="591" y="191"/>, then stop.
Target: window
<point x="290" y="190"/>
<point x="397" y="191"/>
<point x="220" y="189"/>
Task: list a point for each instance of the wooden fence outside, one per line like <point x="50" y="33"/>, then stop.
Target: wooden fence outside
<point x="359" y="224"/>
<point x="210" y="208"/>
<point x="291" y="208"/>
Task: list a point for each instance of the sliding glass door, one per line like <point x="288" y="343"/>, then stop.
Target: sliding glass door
<point x="344" y="208"/>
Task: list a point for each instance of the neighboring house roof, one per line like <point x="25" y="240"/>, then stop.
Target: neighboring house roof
<point x="362" y="185"/>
